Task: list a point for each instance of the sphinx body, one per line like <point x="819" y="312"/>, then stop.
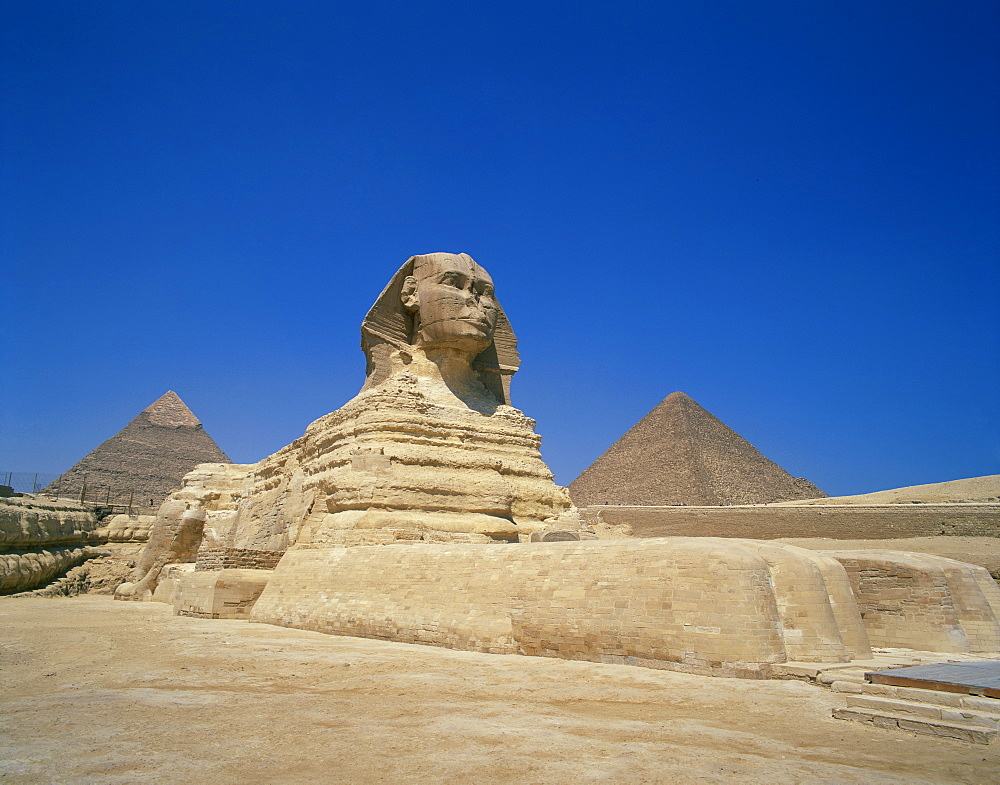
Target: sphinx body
<point x="430" y="449"/>
<point x="430" y="455"/>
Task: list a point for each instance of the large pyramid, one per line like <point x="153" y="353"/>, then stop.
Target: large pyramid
<point x="146" y="459"/>
<point x="681" y="454"/>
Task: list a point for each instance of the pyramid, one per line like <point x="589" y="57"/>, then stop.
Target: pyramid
<point x="146" y="459"/>
<point x="681" y="454"/>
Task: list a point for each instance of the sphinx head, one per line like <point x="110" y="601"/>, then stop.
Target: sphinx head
<point x="442" y="304"/>
<point x="452" y="303"/>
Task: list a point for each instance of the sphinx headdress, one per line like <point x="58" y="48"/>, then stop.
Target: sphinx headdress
<point x="389" y="327"/>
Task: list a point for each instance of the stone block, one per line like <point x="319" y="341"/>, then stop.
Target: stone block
<point x="224" y="594"/>
<point x="701" y="605"/>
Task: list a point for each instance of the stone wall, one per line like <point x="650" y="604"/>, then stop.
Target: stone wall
<point x="694" y="604"/>
<point x="836" y="522"/>
<point x="222" y="594"/>
<point x="236" y="558"/>
<point x="921" y="601"/>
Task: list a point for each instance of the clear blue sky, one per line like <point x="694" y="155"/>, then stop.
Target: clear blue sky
<point x="787" y="210"/>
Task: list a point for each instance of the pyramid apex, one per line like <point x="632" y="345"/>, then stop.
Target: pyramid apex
<point x="681" y="453"/>
<point x="170" y="411"/>
<point x="679" y="399"/>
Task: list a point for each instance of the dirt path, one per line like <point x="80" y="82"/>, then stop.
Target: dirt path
<point x="94" y="691"/>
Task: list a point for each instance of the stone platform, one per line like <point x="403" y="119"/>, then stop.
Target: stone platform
<point x="966" y="678"/>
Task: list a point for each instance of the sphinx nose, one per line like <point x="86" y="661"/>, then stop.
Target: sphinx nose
<point x="470" y="294"/>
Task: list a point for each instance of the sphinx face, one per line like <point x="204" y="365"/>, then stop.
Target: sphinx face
<point x="454" y="298"/>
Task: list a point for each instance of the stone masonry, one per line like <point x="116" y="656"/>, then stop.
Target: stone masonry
<point x="147" y="458"/>
<point x="842" y="522"/>
<point x="681" y="454"/>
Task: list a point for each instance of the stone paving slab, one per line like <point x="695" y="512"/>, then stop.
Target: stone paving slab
<point x="972" y="678"/>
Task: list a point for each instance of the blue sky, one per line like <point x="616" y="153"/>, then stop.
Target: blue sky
<point x="786" y="210"/>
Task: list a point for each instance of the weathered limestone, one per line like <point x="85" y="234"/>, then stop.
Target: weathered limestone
<point x="429" y="450"/>
<point x="207" y="494"/>
<point x="819" y="615"/>
<point x="41" y="539"/>
<point x="223" y="594"/>
<point x="24" y="570"/>
<point x="696" y="604"/>
<point x="27" y="522"/>
<point x="127" y="528"/>
<point x="919" y="601"/>
<point x="169" y="582"/>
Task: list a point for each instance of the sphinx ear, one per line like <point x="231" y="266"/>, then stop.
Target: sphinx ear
<point x="408" y="294"/>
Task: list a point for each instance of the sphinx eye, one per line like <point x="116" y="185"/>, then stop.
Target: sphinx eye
<point x="450" y="279"/>
<point x="487" y="291"/>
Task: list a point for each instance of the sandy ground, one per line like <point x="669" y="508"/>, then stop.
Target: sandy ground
<point x="974" y="489"/>
<point x="97" y="691"/>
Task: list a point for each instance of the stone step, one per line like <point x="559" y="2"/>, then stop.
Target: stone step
<point x="929" y="710"/>
<point x="929" y="727"/>
<point x="955" y="700"/>
<point x="854" y="674"/>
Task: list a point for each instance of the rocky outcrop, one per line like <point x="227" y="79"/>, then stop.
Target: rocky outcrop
<point x="29" y="522"/>
<point x="24" y="570"/>
<point x="41" y="539"/>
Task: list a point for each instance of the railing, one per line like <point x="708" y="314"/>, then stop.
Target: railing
<point x="26" y="482"/>
<point x="54" y="486"/>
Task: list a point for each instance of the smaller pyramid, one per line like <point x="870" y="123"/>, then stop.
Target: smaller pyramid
<point x="146" y="459"/>
<point x="680" y="453"/>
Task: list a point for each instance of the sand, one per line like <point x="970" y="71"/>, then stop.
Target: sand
<point x="974" y="490"/>
<point x="97" y="691"/>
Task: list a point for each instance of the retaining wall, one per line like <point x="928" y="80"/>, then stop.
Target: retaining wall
<point x="237" y="558"/>
<point x="921" y="601"/>
<point x="220" y="594"/>
<point x="840" y="522"/>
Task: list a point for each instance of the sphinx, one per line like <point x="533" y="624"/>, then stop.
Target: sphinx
<point x="429" y="450"/>
<point x="430" y="457"/>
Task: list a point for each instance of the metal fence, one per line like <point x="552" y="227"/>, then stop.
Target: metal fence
<point x="53" y="486"/>
<point x="26" y="482"/>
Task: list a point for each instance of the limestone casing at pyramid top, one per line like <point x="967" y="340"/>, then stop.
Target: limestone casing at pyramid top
<point x="171" y="412"/>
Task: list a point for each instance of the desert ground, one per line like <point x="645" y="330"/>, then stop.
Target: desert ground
<point x="980" y="490"/>
<point x="97" y="691"/>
